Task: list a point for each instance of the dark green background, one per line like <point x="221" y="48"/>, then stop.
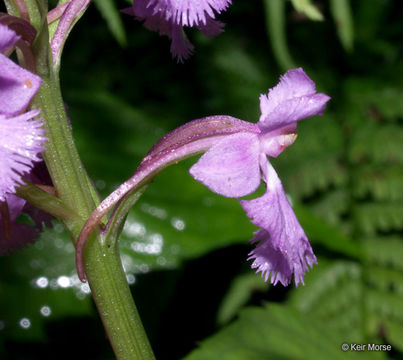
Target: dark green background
<point x="184" y="247"/>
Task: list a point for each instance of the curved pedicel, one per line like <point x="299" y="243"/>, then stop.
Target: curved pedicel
<point x="190" y="139"/>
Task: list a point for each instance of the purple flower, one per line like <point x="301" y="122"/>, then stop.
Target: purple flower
<point x="21" y="137"/>
<point x="21" y="142"/>
<point x="234" y="166"/>
<point x="169" y="17"/>
<point x="17" y="85"/>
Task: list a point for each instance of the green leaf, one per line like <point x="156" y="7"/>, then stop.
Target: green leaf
<point x="385" y="251"/>
<point x="395" y="333"/>
<point x="333" y="295"/>
<point x="238" y="295"/>
<point x="111" y="14"/>
<point x="342" y="16"/>
<point x="366" y="141"/>
<point x="380" y="182"/>
<point x="320" y="232"/>
<point x="274" y="332"/>
<point x="306" y="7"/>
<point x="43" y="275"/>
<point x="313" y="164"/>
<point x="372" y="217"/>
<point x="276" y="29"/>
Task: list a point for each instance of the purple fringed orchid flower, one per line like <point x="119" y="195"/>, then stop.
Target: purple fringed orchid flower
<point x="169" y="17"/>
<point x="234" y="165"/>
<point x="234" y="162"/>
<point x="21" y="142"/>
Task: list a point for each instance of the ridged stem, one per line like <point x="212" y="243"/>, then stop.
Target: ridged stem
<point x="74" y="190"/>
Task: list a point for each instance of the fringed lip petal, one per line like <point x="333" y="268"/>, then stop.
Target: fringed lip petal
<point x="284" y="249"/>
<point x="170" y="17"/>
<point x="21" y="141"/>
<point x="186" y="12"/>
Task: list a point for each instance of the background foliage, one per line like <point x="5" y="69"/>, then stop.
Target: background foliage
<point x="183" y="247"/>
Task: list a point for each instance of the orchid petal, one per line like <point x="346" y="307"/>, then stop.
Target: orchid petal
<point x="21" y="142"/>
<point x="8" y="37"/>
<point x="231" y="167"/>
<point x="187" y="12"/>
<point x="17" y="87"/>
<point x="293" y="99"/>
<point x="284" y="249"/>
<point x="169" y="17"/>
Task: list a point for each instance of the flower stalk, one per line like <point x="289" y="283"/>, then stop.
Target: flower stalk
<point x="190" y="139"/>
<point x="73" y="197"/>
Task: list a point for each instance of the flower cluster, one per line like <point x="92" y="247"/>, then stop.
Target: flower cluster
<point x="233" y="167"/>
<point x="169" y="17"/>
<point x="21" y="139"/>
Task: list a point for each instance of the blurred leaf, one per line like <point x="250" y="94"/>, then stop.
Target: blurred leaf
<point x="382" y="216"/>
<point x="343" y="18"/>
<point x="386" y="251"/>
<point x="389" y="135"/>
<point x="309" y="9"/>
<point x="395" y="334"/>
<point x="313" y="164"/>
<point x="244" y="77"/>
<point x="43" y="276"/>
<point x="334" y="293"/>
<point x="111" y="14"/>
<point x="238" y="295"/>
<point x="275" y="332"/>
<point x="380" y="183"/>
<point x="276" y="29"/>
<point x="319" y="232"/>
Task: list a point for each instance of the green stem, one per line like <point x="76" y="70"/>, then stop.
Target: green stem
<point x="104" y="271"/>
<point x="61" y="156"/>
<point x="115" y="303"/>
